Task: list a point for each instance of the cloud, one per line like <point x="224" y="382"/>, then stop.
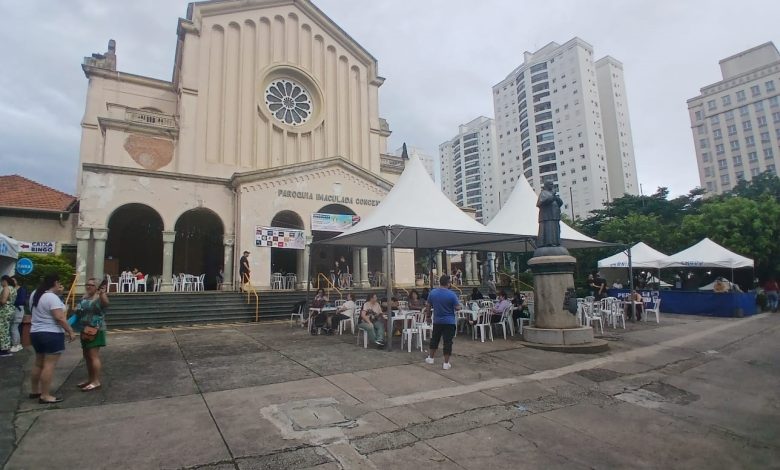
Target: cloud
<point x="440" y="58"/>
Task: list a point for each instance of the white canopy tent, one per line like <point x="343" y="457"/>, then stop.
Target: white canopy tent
<point x="416" y="214"/>
<point x="707" y="254"/>
<point x="642" y="256"/>
<point x="520" y="216"/>
<point x="9" y="252"/>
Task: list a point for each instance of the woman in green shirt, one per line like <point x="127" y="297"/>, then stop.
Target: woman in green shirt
<point x="91" y="321"/>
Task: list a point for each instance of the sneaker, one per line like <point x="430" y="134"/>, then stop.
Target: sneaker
<point x="16" y="348"/>
<point x="446" y="366"/>
<point x="429" y="360"/>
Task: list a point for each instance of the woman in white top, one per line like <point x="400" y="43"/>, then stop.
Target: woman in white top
<point x="47" y="335"/>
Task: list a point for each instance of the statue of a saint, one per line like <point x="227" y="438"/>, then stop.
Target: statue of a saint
<point x="549" y="205"/>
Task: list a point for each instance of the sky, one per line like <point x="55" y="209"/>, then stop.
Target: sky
<point x="440" y="59"/>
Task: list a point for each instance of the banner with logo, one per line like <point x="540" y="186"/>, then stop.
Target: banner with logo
<point x="277" y="237"/>
<point x="333" y="222"/>
<point x="38" y="247"/>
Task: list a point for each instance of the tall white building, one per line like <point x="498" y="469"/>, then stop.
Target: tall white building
<point x="562" y="116"/>
<point x="736" y="121"/>
<point x="428" y="161"/>
<point x="468" y="165"/>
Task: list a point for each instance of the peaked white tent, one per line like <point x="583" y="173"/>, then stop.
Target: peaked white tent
<point x="707" y="254"/>
<point x="642" y="256"/>
<point x="9" y="252"/>
<point x="520" y="216"/>
<point x="416" y="214"/>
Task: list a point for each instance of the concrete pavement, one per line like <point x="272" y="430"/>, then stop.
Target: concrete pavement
<point x="692" y="392"/>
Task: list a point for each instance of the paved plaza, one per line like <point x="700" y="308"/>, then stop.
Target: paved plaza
<point x="693" y="392"/>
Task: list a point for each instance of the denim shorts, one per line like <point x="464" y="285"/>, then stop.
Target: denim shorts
<point x="45" y="342"/>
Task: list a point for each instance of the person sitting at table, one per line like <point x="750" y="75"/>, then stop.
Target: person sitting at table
<point x="394" y="308"/>
<point x="415" y="303"/>
<point x="634" y="297"/>
<point x="476" y="294"/>
<point x="498" y="309"/>
<point x="345" y="311"/>
<point x="424" y="294"/>
<point x="372" y="321"/>
<point x="519" y="304"/>
<point x="320" y="300"/>
<point x="721" y="286"/>
<point x="137" y="274"/>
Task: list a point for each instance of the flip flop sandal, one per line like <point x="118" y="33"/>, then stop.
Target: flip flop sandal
<point x="82" y="384"/>
<point x="91" y="387"/>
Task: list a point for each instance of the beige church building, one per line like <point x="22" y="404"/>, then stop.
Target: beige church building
<point x="269" y="122"/>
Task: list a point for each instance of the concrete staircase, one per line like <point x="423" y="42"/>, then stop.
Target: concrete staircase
<point x="169" y="309"/>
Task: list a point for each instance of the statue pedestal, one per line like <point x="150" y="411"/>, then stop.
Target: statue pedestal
<point x="555" y="327"/>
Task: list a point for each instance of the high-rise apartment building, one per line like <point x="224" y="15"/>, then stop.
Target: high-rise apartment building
<point x="467" y="167"/>
<point x="736" y="121"/>
<point x="428" y="161"/>
<point x="563" y="117"/>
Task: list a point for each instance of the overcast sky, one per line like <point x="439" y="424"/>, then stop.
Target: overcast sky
<point x="440" y="59"/>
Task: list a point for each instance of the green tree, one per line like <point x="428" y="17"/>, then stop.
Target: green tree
<point x="43" y="265"/>
<point x="745" y="226"/>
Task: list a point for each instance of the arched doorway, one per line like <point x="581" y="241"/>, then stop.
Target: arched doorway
<point x="199" y="247"/>
<point x="134" y="240"/>
<point x="284" y="260"/>
<point x="324" y="258"/>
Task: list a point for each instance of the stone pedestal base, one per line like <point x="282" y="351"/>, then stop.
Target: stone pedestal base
<point x="580" y="335"/>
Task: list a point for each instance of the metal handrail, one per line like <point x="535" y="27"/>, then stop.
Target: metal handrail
<point x="250" y="290"/>
<point x="71" y="297"/>
<point x="328" y="282"/>
<point x="518" y="280"/>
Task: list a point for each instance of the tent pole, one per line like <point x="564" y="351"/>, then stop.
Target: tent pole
<point x="389" y="289"/>
<point x="631" y="284"/>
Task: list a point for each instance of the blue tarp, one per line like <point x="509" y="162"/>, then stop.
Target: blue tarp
<point x="702" y="303"/>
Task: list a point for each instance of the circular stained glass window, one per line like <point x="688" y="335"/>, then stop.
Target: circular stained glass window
<point x="288" y="101"/>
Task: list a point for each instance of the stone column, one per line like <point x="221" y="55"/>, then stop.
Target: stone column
<point x="355" y="267"/>
<point x="364" y="267"/>
<point x="447" y="264"/>
<point x="439" y="265"/>
<point x="475" y="267"/>
<point x="100" y="235"/>
<point x="167" y="267"/>
<point x="467" y="274"/>
<point x="228" y="241"/>
<point x="303" y="265"/>
<point x="82" y="257"/>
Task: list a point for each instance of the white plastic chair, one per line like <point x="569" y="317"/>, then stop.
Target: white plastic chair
<point x="290" y="281"/>
<point x="199" y="284"/>
<point x="277" y="281"/>
<point x="109" y="284"/>
<point x="126" y="280"/>
<point x="176" y="283"/>
<point x="364" y="334"/>
<point x="298" y="315"/>
<point x="139" y="283"/>
<point x="617" y="314"/>
<point x="506" y="321"/>
<point x="157" y="283"/>
<point x="412" y="331"/>
<point x="483" y="324"/>
<point x="592" y="314"/>
<point x="403" y="305"/>
<point x="656" y="310"/>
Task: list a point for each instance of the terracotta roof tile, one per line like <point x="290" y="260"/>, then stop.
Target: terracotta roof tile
<point x="21" y="193"/>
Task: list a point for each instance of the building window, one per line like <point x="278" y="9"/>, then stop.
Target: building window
<point x="698" y="115"/>
<point x="734" y="145"/>
<point x="776" y="117"/>
<point x="764" y="137"/>
<point x="770" y="85"/>
<point x="759" y="105"/>
<point x="715" y="119"/>
<point x="710" y="187"/>
<point x="752" y="157"/>
<point x="755" y="90"/>
<point x="723" y="164"/>
<point x="750" y="141"/>
<point x="740" y="175"/>
<point x="289" y="102"/>
<point x="715" y="133"/>
<point x="724" y="179"/>
<point x="737" y="160"/>
<point x="744" y="111"/>
<point x="761" y="121"/>
<point x="729" y="115"/>
<point x="768" y="154"/>
<point x="747" y="125"/>
<point x="705" y="157"/>
<point x="732" y="128"/>
<point x="771" y="168"/>
<point x="726" y="100"/>
<point x="539" y="67"/>
<point x="709" y="172"/>
<point x="741" y="95"/>
<point x="711" y="105"/>
<point x="774" y="101"/>
<point x="719" y="149"/>
<point x="754" y="171"/>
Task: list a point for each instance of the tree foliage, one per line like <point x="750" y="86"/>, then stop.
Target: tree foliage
<point x="44" y="265"/>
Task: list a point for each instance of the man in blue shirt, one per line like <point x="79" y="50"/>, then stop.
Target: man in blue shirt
<point x="444" y="302"/>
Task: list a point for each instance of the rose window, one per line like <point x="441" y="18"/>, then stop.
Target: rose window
<point x="288" y="101"/>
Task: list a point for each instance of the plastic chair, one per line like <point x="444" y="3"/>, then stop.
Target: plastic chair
<point x="139" y="283"/>
<point x="656" y="310"/>
<point x="157" y="283"/>
<point x="506" y="320"/>
<point x="364" y="334"/>
<point x="277" y="281"/>
<point x="199" y="284"/>
<point x="109" y="284"/>
<point x="290" y="281"/>
<point x="483" y="324"/>
<point x="126" y="280"/>
<point x="410" y="332"/>
<point x="617" y="314"/>
<point x="298" y="314"/>
<point x="593" y="315"/>
<point x="350" y="319"/>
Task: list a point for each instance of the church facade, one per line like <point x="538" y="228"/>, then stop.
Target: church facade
<point x="267" y="137"/>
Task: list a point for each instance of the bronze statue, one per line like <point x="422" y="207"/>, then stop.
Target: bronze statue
<point x="549" y="205"/>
